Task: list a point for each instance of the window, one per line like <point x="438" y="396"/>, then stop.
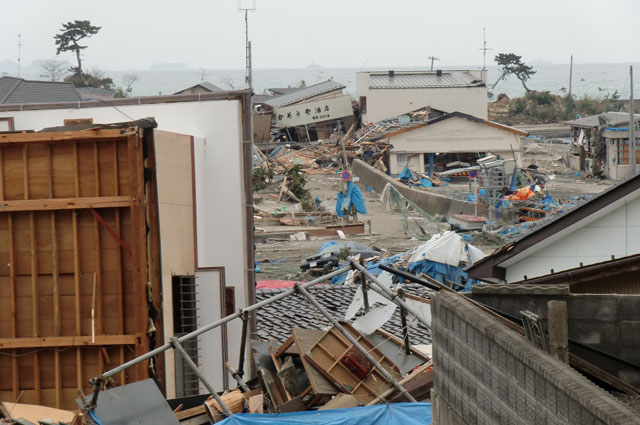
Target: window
<point x="6" y="124"/>
<point x="402" y="159"/>
<point x="185" y="320"/>
<point x="363" y="104"/>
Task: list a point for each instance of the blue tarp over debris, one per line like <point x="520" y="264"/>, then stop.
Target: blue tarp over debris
<point x="379" y="414"/>
<point x="353" y="197"/>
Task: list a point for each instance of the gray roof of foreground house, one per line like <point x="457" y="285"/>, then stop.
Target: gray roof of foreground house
<point x="18" y="90"/>
<point x="423" y="80"/>
<point x="304" y="93"/>
<point x="276" y="320"/>
<point x="606" y="118"/>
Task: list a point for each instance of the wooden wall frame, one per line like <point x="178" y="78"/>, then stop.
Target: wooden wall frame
<point x="73" y="235"/>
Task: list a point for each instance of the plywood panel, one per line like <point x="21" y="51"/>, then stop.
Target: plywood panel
<point x="49" y="256"/>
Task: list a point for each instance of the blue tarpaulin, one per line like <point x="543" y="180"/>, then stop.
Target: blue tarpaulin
<point x="405" y="174"/>
<point x="353" y="197"/>
<point x="379" y="414"/>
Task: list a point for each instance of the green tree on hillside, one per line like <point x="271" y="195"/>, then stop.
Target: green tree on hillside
<point x="511" y="64"/>
<point x="68" y="40"/>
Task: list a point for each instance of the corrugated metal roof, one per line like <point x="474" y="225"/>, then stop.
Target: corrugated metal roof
<point x="305" y="93"/>
<point x="30" y="91"/>
<point x="423" y="80"/>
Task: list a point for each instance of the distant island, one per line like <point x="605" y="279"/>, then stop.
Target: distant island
<point x="172" y="66"/>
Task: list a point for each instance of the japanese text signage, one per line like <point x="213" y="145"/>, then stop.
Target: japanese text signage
<point x="311" y="112"/>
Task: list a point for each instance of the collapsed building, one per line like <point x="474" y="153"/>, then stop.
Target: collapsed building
<point x="600" y="144"/>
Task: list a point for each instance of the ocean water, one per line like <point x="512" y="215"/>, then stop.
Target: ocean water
<point x="594" y="80"/>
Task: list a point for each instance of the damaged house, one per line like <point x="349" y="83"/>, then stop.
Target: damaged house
<point x="600" y="144"/>
<point x="427" y="136"/>
<point x="307" y="113"/>
<point x="199" y="258"/>
<point x="387" y="94"/>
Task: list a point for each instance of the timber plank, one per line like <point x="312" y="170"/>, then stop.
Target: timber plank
<point x="66" y="203"/>
<point x="66" y="136"/>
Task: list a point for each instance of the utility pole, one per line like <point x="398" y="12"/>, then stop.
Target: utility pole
<point x="19" y="52"/>
<point x="433" y="58"/>
<point x="570" y="75"/>
<point x="247" y="6"/>
<point x="632" y="125"/>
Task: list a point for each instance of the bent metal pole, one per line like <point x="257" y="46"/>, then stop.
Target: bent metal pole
<point x="218" y="323"/>
<point x="386" y="292"/>
<point x="353" y="341"/>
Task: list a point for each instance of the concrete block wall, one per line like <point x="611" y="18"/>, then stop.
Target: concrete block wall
<point x="430" y="202"/>
<point x="610" y="323"/>
<point x="485" y="373"/>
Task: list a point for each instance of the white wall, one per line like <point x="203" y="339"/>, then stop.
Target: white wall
<point x="389" y="103"/>
<point x="617" y="233"/>
<point x="220" y="202"/>
<point x="456" y="135"/>
<point x="416" y="163"/>
<point x="208" y="287"/>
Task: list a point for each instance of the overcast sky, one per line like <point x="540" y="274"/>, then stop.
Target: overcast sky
<point x="332" y="33"/>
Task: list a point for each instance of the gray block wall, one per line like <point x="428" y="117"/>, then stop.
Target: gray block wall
<point x="488" y="374"/>
<point x="610" y="323"/>
<point x="431" y="202"/>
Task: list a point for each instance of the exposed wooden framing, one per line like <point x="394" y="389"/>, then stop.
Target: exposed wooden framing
<point x="12" y="291"/>
<point x="66" y="136"/>
<point x="65" y="203"/>
<point x="1" y="174"/>
<point x="119" y="278"/>
<point x="98" y="276"/>
<point x="49" y="183"/>
<point x="136" y="188"/>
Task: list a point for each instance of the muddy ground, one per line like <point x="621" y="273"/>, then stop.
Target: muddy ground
<point x="280" y="259"/>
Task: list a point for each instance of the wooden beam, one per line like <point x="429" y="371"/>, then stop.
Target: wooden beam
<point x="66" y="203"/>
<point x="1" y="174"/>
<point x="35" y="317"/>
<point x="66" y="136"/>
<point x="67" y="341"/>
<point x="12" y="292"/>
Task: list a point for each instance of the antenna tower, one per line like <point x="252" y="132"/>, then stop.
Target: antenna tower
<point x="484" y="49"/>
<point x="19" y="52"/>
<point x="433" y="58"/>
<point x="246" y="6"/>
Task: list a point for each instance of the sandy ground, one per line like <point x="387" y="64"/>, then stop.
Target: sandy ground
<point x="280" y="260"/>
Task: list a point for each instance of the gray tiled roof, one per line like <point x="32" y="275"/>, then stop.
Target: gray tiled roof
<point x="276" y="320"/>
<point x="609" y="118"/>
<point x="423" y="79"/>
<point x="18" y="90"/>
<point x="305" y="93"/>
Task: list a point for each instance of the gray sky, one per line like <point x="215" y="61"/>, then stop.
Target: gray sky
<point x="333" y="33"/>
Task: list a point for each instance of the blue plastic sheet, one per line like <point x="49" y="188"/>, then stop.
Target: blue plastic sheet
<point x="379" y="414"/>
<point x="405" y="174"/>
<point x="353" y="197"/>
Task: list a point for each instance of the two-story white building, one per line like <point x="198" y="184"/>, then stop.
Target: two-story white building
<point x="387" y="94"/>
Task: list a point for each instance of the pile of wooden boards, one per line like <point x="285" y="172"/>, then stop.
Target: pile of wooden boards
<point x="317" y="370"/>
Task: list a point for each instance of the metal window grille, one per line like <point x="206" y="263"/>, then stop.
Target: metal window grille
<point x="185" y="320"/>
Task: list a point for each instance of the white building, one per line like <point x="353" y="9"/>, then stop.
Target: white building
<point x="204" y="204"/>
<point x="386" y="94"/>
<point x="450" y="133"/>
<point x="601" y="229"/>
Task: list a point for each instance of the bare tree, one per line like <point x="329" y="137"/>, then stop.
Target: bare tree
<point x="53" y="70"/>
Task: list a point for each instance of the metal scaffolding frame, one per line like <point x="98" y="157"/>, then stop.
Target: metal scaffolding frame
<point x="176" y="342"/>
